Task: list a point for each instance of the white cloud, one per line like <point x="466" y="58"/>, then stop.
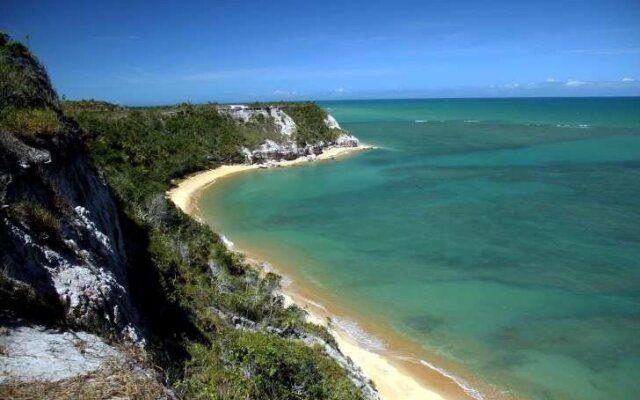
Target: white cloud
<point x="340" y="90"/>
<point x="287" y="93"/>
<point x="575" y="83"/>
<point x="551" y="80"/>
<point x="629" y="80"/>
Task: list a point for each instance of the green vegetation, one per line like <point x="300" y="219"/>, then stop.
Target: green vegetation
<point x="310" y="121"/>
<point x="24" y="82"/>
<point x="278" y="369"/>
<point x="140" y="152"/>
<point x="142" y="149"/>
<point x="187" y="286"/>
<point x="255" y="132"/>
<point x="30" y="121"/>
<point x="28" y="103"/>
<point x="40" y="220"/>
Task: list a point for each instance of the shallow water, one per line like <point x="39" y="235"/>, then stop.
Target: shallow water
<point x="501" y="234"/>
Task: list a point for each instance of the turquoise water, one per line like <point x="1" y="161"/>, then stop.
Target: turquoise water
<point x="509" y="243"/>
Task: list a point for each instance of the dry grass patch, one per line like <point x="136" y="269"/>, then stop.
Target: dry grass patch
<point x="116" y="380"/>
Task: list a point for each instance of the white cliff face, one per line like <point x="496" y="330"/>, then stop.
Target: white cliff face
<point x="272" y="151"/>
<point x="287" y="148"/>
<point x="284" y="122"/>
<point x="331" y="122"/>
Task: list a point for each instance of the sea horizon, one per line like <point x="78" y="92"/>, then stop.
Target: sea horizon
<point x="323" y="100"/>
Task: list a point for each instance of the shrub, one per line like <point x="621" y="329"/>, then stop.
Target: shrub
<point x="39" y="219"/>
<point x="309" y="119"/>
<point x="264" y="366"/>
<point x="30" y="121"/>
<point x="24" y="81"/>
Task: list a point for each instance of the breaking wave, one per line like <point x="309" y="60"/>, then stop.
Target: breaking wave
<point x="228" y="243"/>
<point x="359" y="335"/>
<point x="460" y="382"/>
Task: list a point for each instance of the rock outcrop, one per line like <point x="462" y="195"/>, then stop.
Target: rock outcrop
<point x="39" y="362"/>
<point x="61" y="235"/>
<point x="283" y="122"/>
<point x="36" y="353"/>
<point x="287" y="148"/>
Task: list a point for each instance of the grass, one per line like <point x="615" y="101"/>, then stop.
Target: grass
<point x="24" y="82"/>
<point x="30" y="121"/>
<point x="309" y="119"/>
<point x="117" y="379"/>
<point x="39" y="219"/>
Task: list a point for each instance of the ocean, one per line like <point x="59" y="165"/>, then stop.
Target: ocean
<point x="500" y="235"/>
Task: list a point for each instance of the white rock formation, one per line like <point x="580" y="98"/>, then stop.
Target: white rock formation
<point x="331" y="122"/>
<point x="287" y="148"/>
<point x="346" y="140"/>
<point x="35" y="353"/>
<point x="284" y="122"/>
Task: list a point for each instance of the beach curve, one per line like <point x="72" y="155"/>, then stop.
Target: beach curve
<point x="391" y="381"/>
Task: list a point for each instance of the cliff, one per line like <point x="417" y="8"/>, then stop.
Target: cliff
<point x="61" y="234"/>
<point x="286" y="145"/>
<point x="103" y="278"/>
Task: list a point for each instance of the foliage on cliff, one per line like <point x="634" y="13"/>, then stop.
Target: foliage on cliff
<point x="140" y="152"/>
<point x="310" y="120"/>
<point x="142" y="149"/>
<point x="24" y="81"/>
<point x="191" y="292"/>
<point x="28" y="102"/>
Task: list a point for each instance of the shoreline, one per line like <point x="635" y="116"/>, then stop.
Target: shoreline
<point x="392" y="380"/>
<point x="185" y="194"/>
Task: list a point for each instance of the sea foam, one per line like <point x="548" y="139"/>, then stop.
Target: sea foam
<point x="581" y="126"/>
<point x="460" y="382"/>
<point x="228" y="243"/>
<point x="359" y="335"/>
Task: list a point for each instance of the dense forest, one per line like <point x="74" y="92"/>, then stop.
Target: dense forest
<point x="213" y="326"/>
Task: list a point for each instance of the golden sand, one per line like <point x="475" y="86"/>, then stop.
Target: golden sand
<point x="184" y="195"/>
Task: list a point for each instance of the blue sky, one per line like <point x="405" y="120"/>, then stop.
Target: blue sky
<point x="155" y="52"/>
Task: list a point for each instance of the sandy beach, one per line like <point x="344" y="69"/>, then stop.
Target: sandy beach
<point x="185" y="194"/>
<point x="391" y="380"/>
